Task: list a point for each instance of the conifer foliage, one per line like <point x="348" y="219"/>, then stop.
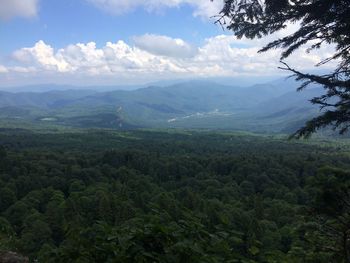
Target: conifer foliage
<point x="321" y="22"/>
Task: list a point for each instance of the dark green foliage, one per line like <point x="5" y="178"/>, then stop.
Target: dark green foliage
<point x="170" y="197"/>
<point x="331" y="207"/>
<point x="321" y="22"/>
<point x="7" y="198"/>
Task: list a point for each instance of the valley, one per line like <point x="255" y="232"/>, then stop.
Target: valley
<point x="272" y="107"/>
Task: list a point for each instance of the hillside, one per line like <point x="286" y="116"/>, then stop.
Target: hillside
<point x="148" y="196"/>
<point x="274" y="106"/>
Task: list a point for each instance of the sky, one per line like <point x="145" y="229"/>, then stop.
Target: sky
<point x="116" y="42"/>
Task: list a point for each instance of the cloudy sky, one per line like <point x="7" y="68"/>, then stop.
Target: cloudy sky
<point x="127" y="42"/>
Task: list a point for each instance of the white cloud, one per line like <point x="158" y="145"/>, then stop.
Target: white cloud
<point x="153" y="57"/>
<point x="235" y="52"/>
<point x="21" y="8"/>
<point x="19" y="69"/>
<point x="42" y="55"/>
<point x="3" y="69"/>
<point x="202" y="8"/>
<point x="88" y="59"/>
<point x="164" y="46"/>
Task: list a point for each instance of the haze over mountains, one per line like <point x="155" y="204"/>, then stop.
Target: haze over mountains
<point x="270" y="107"/>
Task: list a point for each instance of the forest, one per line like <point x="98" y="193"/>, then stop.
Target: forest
<point x="173" y="196"/>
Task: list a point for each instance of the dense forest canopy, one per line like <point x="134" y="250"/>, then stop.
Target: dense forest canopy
<point x="321" y="22"/>
<point x="107" y="196"/>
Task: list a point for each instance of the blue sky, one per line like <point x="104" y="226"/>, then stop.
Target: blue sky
<point x="62" y="22"/>
<point x="124" y="42"/>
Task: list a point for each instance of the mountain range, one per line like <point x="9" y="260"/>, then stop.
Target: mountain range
<point x="269" y="107"/>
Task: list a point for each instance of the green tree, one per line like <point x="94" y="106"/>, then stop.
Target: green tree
<point x="331" y="213"/>
<point x="3" y="153"/>
<point x="54" y="215"/>
<point x="321" y="22"/>
<point x="7" y="235"/>
<point x="35" y="234"/>
<point x="7" y="198"/>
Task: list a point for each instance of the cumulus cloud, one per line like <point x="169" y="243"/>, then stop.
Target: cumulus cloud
<point x="21" y="8"/>
<point x="42" y="55"/>
<point x="88" y="59"/>
<point x="164" y="46"/>
<point x="154" y="57"/>
<point x="202" y="8"/>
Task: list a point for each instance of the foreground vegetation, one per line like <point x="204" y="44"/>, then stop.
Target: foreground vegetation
<point x="142" y="196"/>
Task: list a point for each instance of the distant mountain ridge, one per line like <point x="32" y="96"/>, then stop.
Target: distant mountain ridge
<point x="272" y="106"/>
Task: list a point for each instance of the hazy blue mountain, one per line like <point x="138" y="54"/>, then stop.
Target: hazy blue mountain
<point x="39" y="88"/>
<point x="241" y="81"/>
<point x="292" y="101"/>
<point x="273" y="106"/>
<point x="41" y="100"/>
